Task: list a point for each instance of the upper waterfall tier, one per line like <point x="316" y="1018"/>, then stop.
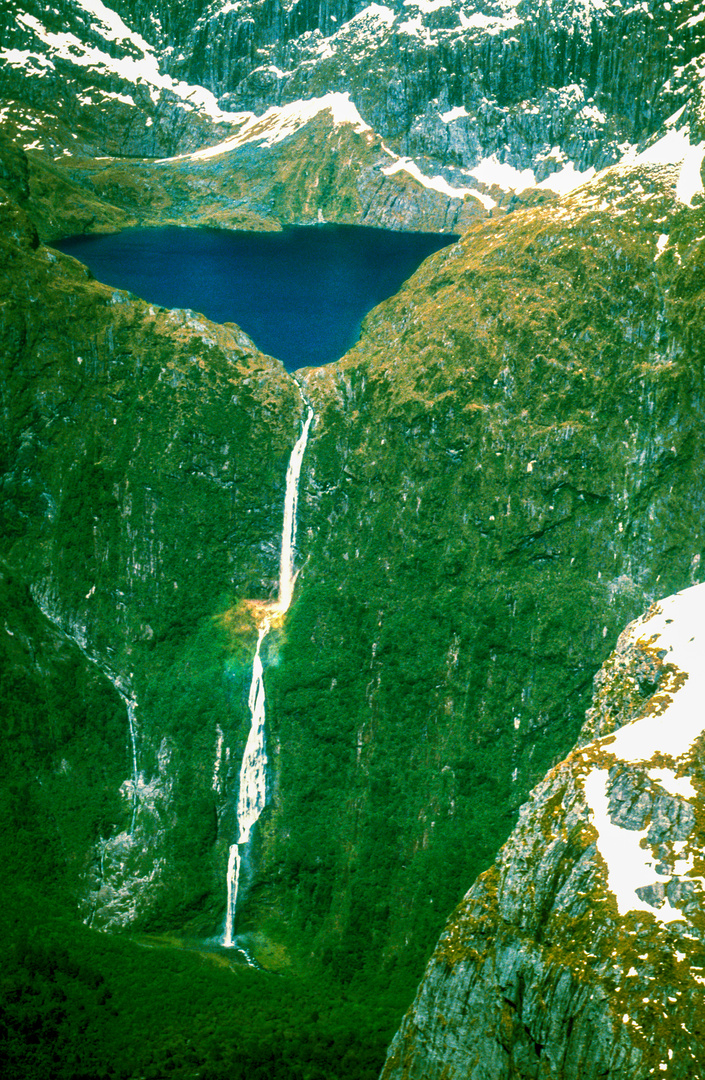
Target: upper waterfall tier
<point x="287" y="577"/>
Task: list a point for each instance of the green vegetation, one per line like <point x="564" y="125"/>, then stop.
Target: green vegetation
<point x="487" y="498"/>
<point x="495" y="475"/>
<point x="63" y="753"/>
<point x="76" y="1005"/>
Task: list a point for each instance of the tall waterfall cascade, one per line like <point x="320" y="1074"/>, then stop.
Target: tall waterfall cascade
<point x="252" y="794"/>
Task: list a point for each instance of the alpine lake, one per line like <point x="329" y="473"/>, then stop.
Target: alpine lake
<point x="300" y="294"/>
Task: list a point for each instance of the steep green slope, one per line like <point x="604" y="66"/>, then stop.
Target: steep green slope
<point x="488" y="495"/>
<point x="143" y="466"/>
<point x="144" y="454"/>
<point x="505" y="470"/>
<point x="64" y="725"/>
<point x="316" y="169"/>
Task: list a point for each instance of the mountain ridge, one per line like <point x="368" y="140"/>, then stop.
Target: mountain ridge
<point x="123" y="102"/>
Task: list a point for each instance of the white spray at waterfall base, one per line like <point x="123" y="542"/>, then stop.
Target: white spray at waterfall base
<point x="252" y="795"/>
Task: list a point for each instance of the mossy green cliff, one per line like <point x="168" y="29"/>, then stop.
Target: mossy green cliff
<point x="491" y="494"/>
<point x="144" y="454"/>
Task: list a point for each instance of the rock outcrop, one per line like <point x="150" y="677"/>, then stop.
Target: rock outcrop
<point x="76" y="80"/>
<point x="580" y="954"/>
<point x="531" y="81"/>
<point x="313" y="162"/>
<point x="507" y="96"/>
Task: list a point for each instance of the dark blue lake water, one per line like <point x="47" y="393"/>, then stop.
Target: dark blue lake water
<point x="300" y="294"/>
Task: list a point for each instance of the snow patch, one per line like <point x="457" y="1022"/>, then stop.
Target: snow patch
<point x="375" y="12"/>
<point x="567" y="179"/>
<point x="693" y="20"/>
<point x="110" y="25"/>
<point x="228" y="6"/>
<point x="427" y="6"/>
<point x="591" y="112"/>
<point x="690" y="179"/>
<point x="454" y="114"/>
<point x="32" y="63"/>
<point x="491" y="24"/>
<point x="629" y="866"/>
<point x="675" y="785"/>
<point x="143" y="69"/>
<point x="415" y="28"/>
<point x="677" y="631"/>
<point x="675" y="148"/>
<point x="661" y="245"/>
<point x="492" y="171"/>
<point x="436" y="183"/>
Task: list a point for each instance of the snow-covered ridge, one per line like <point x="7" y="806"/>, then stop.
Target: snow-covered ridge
<point x="103" y="49"/>
<point x="461" y="21"/>
<point x="492" y="172"/>
<point x="279" y="123"/>
<point x="437" y="183"/>
<point x="593" y="911"/>
<point x="658" y="747"/>
<point x="676" y="630"/>
<point x="675" y="148"/>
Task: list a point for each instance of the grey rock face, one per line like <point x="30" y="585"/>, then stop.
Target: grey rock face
<point x="457" y="80"/>
<point x="531" y="83"/>
<point x="76" y="82"/>
<point x="579" y="954"/>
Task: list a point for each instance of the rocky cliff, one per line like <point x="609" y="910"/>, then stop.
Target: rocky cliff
<point x="309" y="163"/>
<point x="580" y="953"/>
<point x="488" y="495"/>
<point x="474" y="102"/>
<point x="528" y="80"/>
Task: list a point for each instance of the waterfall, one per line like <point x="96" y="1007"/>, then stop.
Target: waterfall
<point x="252" y="793"/>
<point x="219" y="739"/>
<point x="233" y="880"/>
<point x="131" y="704"/>
<point x="287" y="577"/>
